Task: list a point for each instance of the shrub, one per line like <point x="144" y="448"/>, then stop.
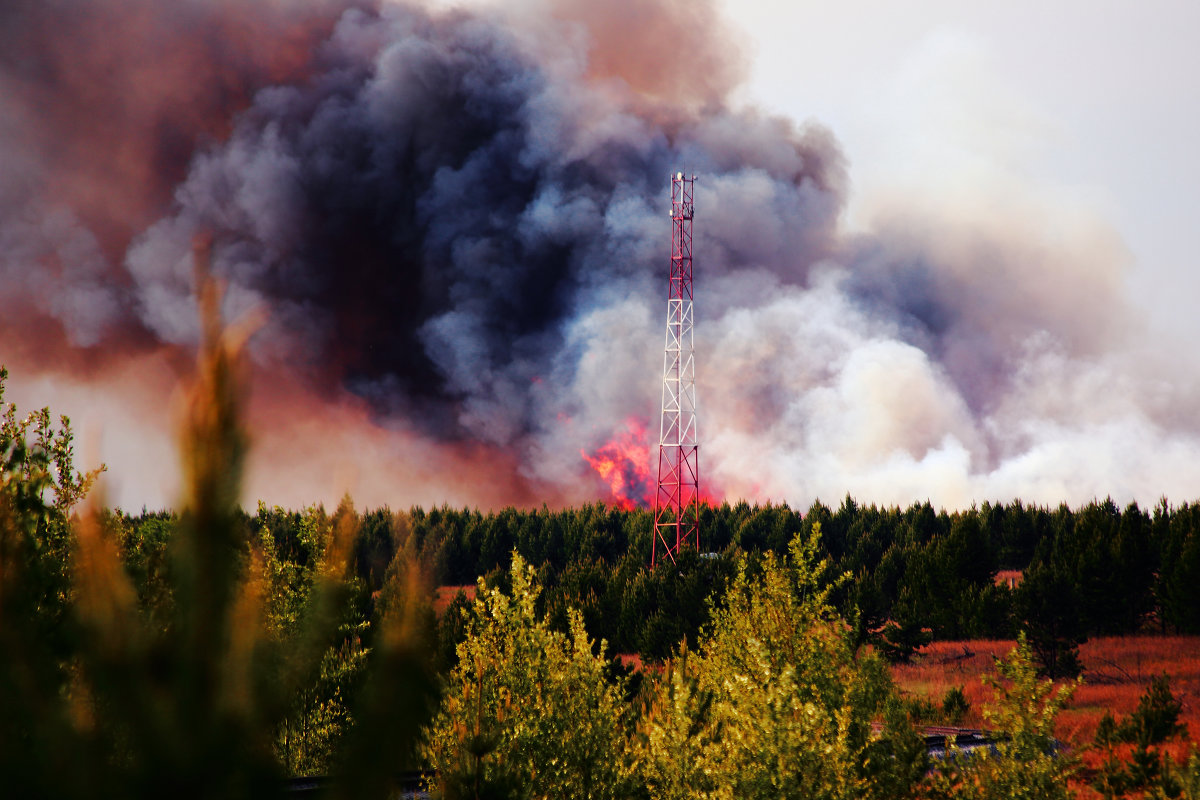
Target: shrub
<point x="527" y="710"/>
<point x="1026" y="762"/>
<point x="776" y="702"/>
<point x="955" y="705"/>
<point x="1156" y="717"/>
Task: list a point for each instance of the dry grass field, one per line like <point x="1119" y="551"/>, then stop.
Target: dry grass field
<point x="1117" y="671"/>
<point x="443" y="596"/>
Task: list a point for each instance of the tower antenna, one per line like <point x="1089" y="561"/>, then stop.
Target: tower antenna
<point x="677" y="501"/>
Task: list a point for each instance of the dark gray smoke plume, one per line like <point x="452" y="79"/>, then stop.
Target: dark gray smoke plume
<point x="456" y="225"/>
<point x="427" y="215"/>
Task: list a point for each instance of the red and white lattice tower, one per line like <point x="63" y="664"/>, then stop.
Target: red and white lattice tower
<point x="677" y="501"/>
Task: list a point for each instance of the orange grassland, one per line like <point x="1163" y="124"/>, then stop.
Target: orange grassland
<point x="1117" y="671"/>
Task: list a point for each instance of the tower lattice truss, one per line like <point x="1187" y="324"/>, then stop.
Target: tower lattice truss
<point x="677" y="501"/>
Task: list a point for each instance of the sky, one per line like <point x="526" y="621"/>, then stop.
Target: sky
<point x="944" y="250"/>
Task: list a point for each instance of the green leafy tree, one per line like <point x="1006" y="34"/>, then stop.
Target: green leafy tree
<point x="37" y="463"/>
<point x="1177" y="589"/>
<point x="300" y="558"/>
<point x="955" y="705"/>
<point x="680" y="754"/>
<point x="1182" y="782"/>
<point x="39" y="487"/>
<point x="527" y="710"/>
<point x="1146" y="768"/>
<point x="144" y="545"/>
<point x="1156" y="717"/>
<point x="775" y="702"/>
<point x="1048" y="603"/>
<point x="1027" y="762"/>
<point x="905" y="633"/>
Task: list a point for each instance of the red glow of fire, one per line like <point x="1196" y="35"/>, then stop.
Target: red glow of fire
<point x="623" y="463"/>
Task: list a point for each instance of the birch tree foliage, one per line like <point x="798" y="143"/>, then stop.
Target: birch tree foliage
<point x="528" y="712"/>
<point x="1027" y="764"/>
<point x="776" y="702"/>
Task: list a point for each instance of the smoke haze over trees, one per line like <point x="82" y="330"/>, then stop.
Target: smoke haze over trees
<point x="454" y="223"/>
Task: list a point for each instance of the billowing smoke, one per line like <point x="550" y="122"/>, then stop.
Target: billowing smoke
<point x="455" y="224"/>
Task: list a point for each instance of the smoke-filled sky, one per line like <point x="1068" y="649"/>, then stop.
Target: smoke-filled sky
<point x="941" y="255"/>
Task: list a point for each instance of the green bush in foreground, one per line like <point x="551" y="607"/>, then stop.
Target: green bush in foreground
<point x="528" y="711"/>
<point x="775" y="702"/>
<point x="1027" y="763"/>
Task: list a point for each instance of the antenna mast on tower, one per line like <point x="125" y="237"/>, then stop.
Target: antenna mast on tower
<point x="677" y="501"/>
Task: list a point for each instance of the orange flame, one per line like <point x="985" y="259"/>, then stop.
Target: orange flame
<point x="624" y="464"/>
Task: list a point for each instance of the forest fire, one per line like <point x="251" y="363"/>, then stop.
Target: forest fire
<point x="453" y="223"/>
<point x="624" y="464"/>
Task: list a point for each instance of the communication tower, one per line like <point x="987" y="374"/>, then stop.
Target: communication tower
<point x="677" y="500"/>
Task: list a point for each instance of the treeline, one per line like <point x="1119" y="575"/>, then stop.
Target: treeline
<point x="1095" y="570"/>
<point x="1080" y="572"/>
<point x="915" y="574"/>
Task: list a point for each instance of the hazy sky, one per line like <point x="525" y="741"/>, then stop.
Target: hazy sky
<point x="1091" y="108"/>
